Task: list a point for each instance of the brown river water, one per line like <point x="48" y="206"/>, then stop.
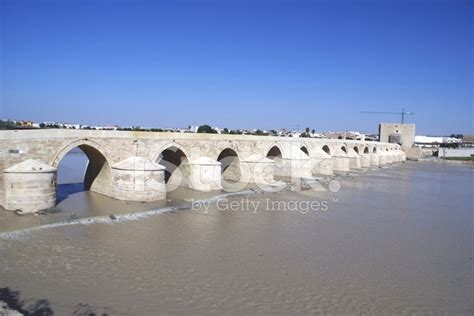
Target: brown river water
<point x="395" y="240"/>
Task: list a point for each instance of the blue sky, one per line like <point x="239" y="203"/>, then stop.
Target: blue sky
<point x="241" y="64"/>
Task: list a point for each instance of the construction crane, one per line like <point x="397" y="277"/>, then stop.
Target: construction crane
<point x="402" y="113"/>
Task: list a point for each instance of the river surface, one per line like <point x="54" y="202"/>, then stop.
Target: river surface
<point x="395" y="240"/>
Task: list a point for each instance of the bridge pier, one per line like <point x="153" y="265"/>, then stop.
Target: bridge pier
<point x="394" y="156"/>
<point x="258" y="170"/>
<point x="294" y="163"/>
<point x="321" y="162"/>
<point x="296" y="167"/>
<point x="403" y="156"/>
<point x="382" y="157"/>
<point x="365" y="160"/>
<point x="29" y="186"/>
<point x="374" y="160"/>
<point x="389" y="157"/>
<point x="138" y="179"/>
<point x="354" y="158"/>
<point x="205" y="174"/>
<point x="399" y="155"/>
<point x="341" y="163"/>
<point x="354" y="162"/>
<point x="323" y="166"/>
<point x="326" y="166"/>
<point x="341" y="159"/>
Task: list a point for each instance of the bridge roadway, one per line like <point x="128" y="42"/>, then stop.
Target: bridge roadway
<point x="143" y="166"/>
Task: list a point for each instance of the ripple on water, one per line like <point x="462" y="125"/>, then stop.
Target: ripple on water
<point x="352" y="259"/>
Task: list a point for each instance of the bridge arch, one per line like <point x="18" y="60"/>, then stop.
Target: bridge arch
<point x="156" y="152"/>
<point x="344" y="148"/>
<point x="276" y="147"/>
<point x="98" y="166"/>
<point x="274" y="151"/>
<point x="230" y="164"/>
<point x="275" y="154"/>
<point x="304" y="149"/>
<point x="326" y="149"/>
<point x="175" y="159"/>
<point x="80" y="143"/>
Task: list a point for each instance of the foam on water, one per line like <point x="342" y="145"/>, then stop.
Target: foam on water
<point x="106" y="219"/>
<point x="390" y="245"/>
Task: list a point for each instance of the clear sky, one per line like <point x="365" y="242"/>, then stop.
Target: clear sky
<point x="239" y="64"/>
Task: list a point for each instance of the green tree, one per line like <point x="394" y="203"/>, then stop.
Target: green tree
<point x="7" y="125"/>
<point x="206" y="129"/>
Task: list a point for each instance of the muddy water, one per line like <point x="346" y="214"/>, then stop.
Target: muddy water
<point x="396" y="240"/>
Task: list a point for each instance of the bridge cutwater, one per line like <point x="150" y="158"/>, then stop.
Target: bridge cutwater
<point x="143" y="166"/>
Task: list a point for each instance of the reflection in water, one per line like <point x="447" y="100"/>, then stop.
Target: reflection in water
<point x="63" y="191"/>
<point x="70" y="174"/>
<point x="393" y="241"/>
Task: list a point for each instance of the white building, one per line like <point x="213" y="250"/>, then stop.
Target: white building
<point x="434" y="141"/>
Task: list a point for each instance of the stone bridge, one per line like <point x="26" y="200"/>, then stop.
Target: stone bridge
<point x="143" y="166"/>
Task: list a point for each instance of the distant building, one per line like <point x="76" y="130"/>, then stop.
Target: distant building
<point x="402" y="134"/>
<point x="457" y="148"/>
<point x="193" y="129"/>
<point x="372" y="137"/>
<point x="464" y="152"/>
<point x="468" y="139"/>
<point x="345" y="135"/>
<point x="317" y="135"/>
<point x="72" y="126"/>
<point x="27" y="124"/>
<point x="434" y="141"/>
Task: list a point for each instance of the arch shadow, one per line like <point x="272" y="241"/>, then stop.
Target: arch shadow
<point x="326" y="149"/>
<point x="356" y="149"/>
<point x="176" y="162"/>
<point x="230" y="165"/>
<point x="304" y="149"/>
<point x="97" y="168"/>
